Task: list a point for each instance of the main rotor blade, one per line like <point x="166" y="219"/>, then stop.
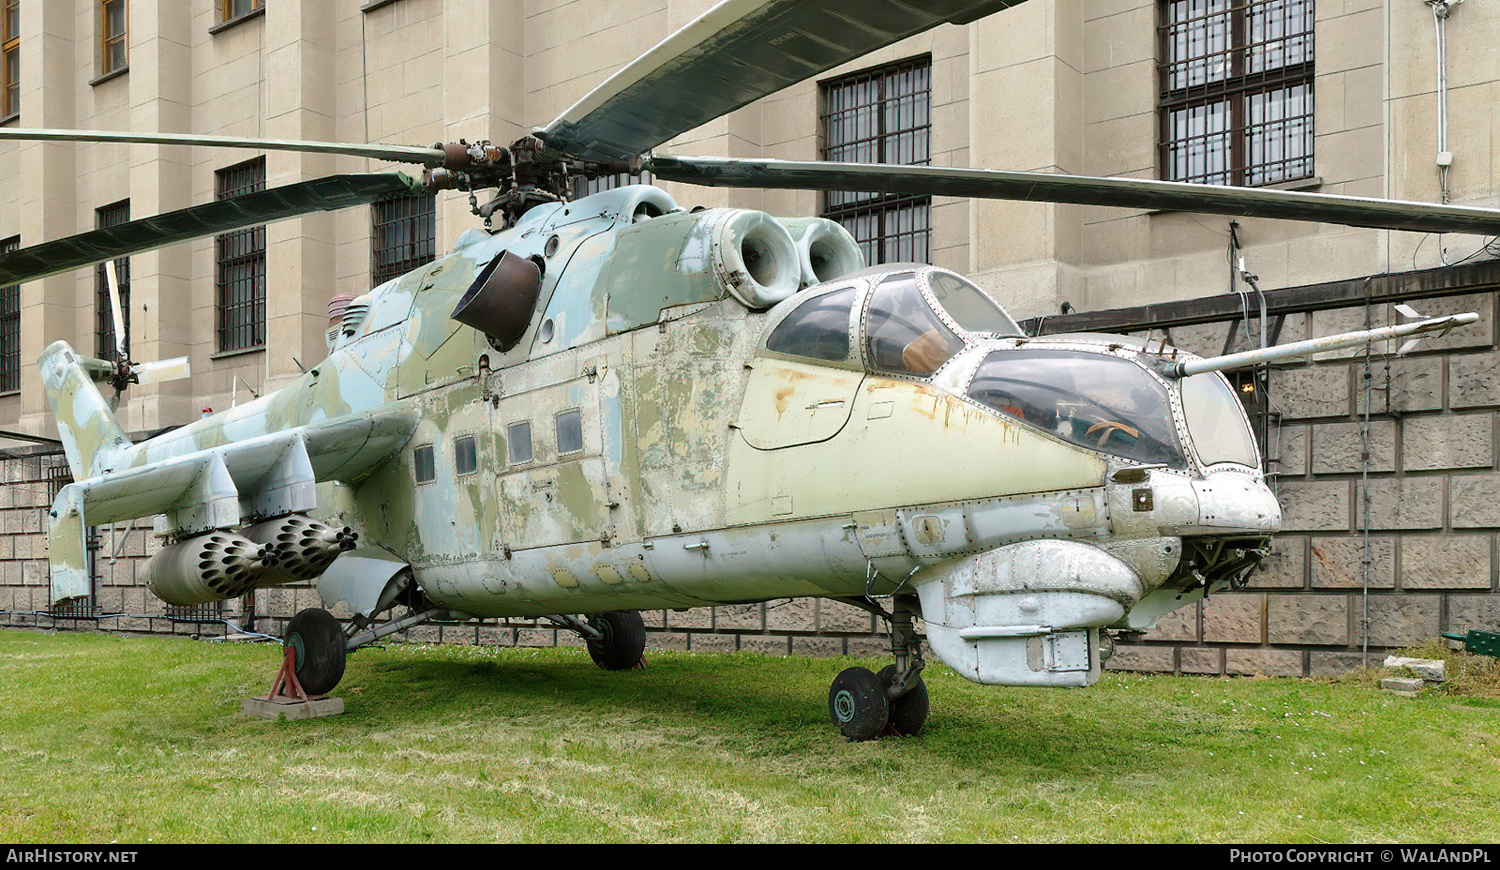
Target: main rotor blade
<point x="392" y="153"/>
<point x="1355" y="211"/>
<point x="732" y="55"/>
<point x="195" y="222"/>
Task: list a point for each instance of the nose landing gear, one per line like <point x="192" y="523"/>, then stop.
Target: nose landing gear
<point x="865" y="705"/>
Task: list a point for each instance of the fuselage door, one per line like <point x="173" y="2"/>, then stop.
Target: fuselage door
<point x="789" y="403"/>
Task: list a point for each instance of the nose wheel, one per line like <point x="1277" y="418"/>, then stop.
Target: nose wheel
<point x="865" y="705"/>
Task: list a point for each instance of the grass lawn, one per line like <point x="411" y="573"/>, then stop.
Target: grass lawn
<point x="109" y="738"/>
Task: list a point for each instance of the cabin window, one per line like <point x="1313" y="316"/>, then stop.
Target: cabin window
<point x="818" y="328"/>
<point x="112" y="216"/>
<point x="902" y="334"/>
<point x="1216" y="420"/>
<point x="465" y="454"/>
<point x="969" y="307"/>
<point x="424" y="464"/>
<point x="1094" y="400"/>
<point x="569" y="432"/>
<point x="518" y="436"/>
<point x="241" y="274"/>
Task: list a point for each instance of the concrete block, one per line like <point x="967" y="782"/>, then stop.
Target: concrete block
<point x="1402" y="385"/>
<point x="1445" y="562"/>
<point x="818" y="647"/>
<point x="739" y="616"/>
<point x="1326" y="663"/>
<point x="1193" y="660"/>
<point x="667" y="640"/>
<point x="774" y="645"/>
<point x="712" y="643"/>
<point x="1180" y="624"/>
<point x="1285" y="568"/>
<point x="1234" y="618"/>
<point x="793" y="614"/>
<point x="1401" y="619"/>
<point x="1204" y="339"/>
<point x="1263" y="662"/>
<point x="1311" y="392"/>
<point x="1307" y="619"/>
<point x="1338" y="448"/>
<point x="1134" y="657"/>
<point x="1474" y="380"/>
<point x="1448" y="441"/>
<point x="1474" y="501"/>
<point x="1286" y="454"/>
<point x="868" y="648"/>
<point x="697" y="617"/>
<point x="1314" y="506"/>
<point x="1431" y="670"/>
<point x="1401" y="503"/>
<point x="1402" y="686"/>
<point x="1338" y="563"/>
<point x="841" y="617"/>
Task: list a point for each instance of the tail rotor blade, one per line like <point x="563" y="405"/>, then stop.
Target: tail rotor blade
<point x="163" y="370"/>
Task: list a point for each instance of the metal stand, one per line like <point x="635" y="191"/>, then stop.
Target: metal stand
<point x="288" y="700"/>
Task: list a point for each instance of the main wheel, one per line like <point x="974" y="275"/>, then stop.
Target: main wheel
<point x="856" y="703"/>
<point x="908" y="712"/>
<point x="623" y="642"/>
<point x="318" y="641"/>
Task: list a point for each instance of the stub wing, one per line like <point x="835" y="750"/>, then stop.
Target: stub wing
<point x="272" y="475"/>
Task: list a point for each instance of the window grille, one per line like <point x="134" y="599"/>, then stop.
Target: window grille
<point x="404" y="231"/>
<point x="10" y="328"/>
<point x="589" y="186"/>
<point x="241" y="255"/>
<point x="1236" y="81"/>
<point x="882" y="116"/>
<point x="104" y="321"/>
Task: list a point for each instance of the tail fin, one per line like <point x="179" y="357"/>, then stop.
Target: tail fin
<point x="86" y="423"/>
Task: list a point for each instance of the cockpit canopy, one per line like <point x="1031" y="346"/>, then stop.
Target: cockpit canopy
<point x="907" y="322"/>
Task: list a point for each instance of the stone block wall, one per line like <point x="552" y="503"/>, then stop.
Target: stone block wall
<point x="1389" y="519"/>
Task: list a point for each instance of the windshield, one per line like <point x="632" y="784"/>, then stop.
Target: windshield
<point x="1216" y="421"/>
<point x="1094" y="400"/>
<point x="969" y="307"/>
<point x="902" y="334"/>
<point x="818" y="328"/>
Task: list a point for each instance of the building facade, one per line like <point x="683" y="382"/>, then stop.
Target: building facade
<point x="1377" y="98"/>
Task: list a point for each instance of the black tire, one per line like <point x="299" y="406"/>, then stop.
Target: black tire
<point x="623" y="643"/>
<point x="318" y="641"/>
<point x="908" y="712"/>
<point x="857" y="705"/>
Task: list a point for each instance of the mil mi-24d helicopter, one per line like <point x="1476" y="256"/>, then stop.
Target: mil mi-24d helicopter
<point x="613" y="404"/>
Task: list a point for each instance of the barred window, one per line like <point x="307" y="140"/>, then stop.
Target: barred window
<point x="882" y="116"/>
<point x="241" y="256"/>
<point x="104" y="321"/>
<point x="589" y="186"/>
<point x="10" y="58"/>
<point x="1236" y="91"/>
<point x="10" y="327"/>
<point x="403" y="238"/>
<point x="113" y="22"/>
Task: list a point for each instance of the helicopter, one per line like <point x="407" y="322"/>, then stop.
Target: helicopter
<point x="611" y="403"/>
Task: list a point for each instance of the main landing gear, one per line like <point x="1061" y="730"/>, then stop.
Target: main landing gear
<point x="616" y="639"/>
<point x="866" y="705"/>
<point x="317" y="643"/>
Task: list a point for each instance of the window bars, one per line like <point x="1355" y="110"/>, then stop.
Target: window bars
<point x="1236" y="91"/>
<point x="882" y="115"/>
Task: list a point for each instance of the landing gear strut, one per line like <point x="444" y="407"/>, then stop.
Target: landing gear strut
<point x="865" y="705"/>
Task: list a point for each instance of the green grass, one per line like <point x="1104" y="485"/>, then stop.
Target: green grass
<point x="106" y="738"/>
